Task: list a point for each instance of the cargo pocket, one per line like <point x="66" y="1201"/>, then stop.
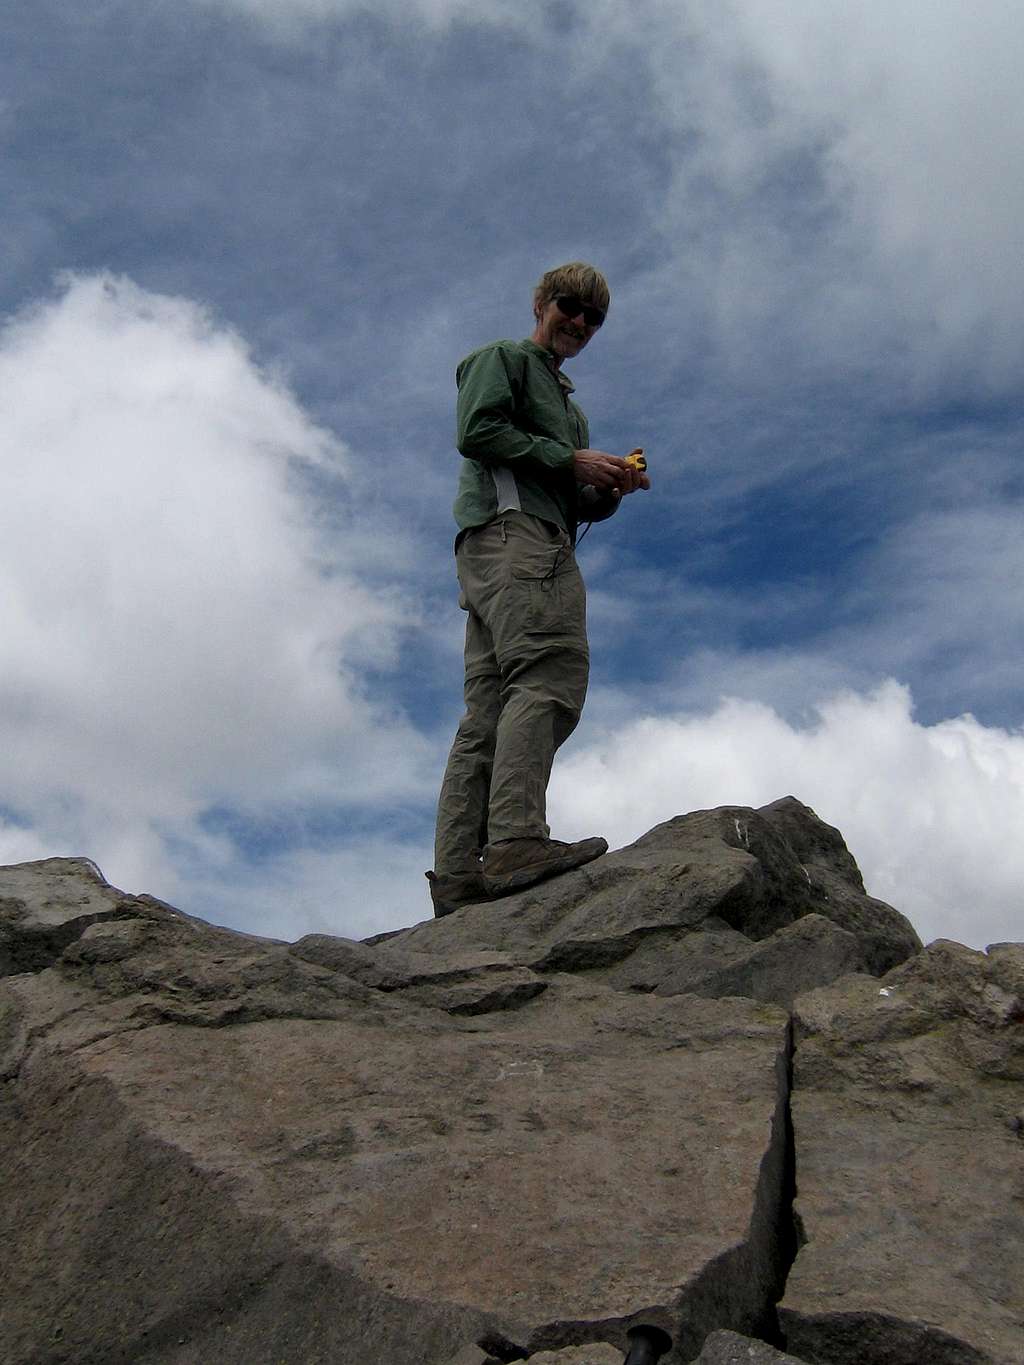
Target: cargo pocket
<point x="554" y="600"/>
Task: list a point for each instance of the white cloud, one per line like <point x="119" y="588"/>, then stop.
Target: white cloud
<point x="177" y="633"/>
<point x="844" y="192"/>
<point x="367" y="888"/>
<point x="844" y="186"/>
<point x="932" y="814"/>
<point x="919" y="106"/>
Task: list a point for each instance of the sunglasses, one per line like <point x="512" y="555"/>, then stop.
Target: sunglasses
<point x="572" y="307"/>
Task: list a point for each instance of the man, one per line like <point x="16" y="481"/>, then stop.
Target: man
<point x="528" y="478"/>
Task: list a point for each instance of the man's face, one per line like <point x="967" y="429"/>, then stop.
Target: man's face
<point x="562" y="326"/>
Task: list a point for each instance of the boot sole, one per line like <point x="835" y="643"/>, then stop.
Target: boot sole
<point x="450" y="907"/>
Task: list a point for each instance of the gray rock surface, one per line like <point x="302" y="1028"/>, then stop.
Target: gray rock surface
<point x="699" y="904"/>
<point x="580" y="1355"/>
<point x="729" y="1348"/>
<point x="513" y="1133"/>
<point x="886" y="937"/>
<point x="45" y="905"/>
<point x="720" y="961"/>
<point x="910" y="1164"/>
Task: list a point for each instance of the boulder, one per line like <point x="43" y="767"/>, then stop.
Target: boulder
<point x="47" y="904"/>
<point x="580" y="1355"/>
<point x="514" y="1133"/>
<point x="200" y="1125"/>
<point x="699" y="904"/>
<point x="836" y="887"/>
<point x="714" y="962"/>
<point x="729" y="1348"/>
<point x="907" y="1104"/>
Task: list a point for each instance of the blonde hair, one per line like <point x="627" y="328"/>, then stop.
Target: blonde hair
<point x="578" y="279"/>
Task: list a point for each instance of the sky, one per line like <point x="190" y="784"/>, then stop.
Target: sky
<point x="246" y="242"/>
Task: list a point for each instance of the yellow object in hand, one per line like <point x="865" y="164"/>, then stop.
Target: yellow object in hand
<point x="637" y="459"/>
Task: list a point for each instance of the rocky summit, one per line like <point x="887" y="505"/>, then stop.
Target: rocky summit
<point x="703" y="1100"/>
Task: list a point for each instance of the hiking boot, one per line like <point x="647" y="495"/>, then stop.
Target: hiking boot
<point x="450" y="890"/>
<point x="514" y="863"/>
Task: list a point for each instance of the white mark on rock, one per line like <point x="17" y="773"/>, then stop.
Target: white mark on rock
<point x="1002" y="1006"/>
<point x="886" y="991"/>
<point x="742" y="834"/>
<point x="532" y="1070"/>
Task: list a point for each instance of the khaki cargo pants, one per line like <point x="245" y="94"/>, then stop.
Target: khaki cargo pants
<point x="527" y="663"/>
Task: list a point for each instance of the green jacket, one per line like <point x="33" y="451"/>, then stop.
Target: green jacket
<point x="518" y="429"/>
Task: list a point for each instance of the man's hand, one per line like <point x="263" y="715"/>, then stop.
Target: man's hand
<point x="608" y="472"/>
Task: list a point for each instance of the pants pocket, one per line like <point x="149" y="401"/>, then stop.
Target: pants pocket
<point x="551" y="594"/>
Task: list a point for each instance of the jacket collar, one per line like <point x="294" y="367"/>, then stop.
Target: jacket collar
<point x="548" y="358"/>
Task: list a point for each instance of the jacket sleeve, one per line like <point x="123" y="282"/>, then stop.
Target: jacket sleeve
<point x="597" y="504"/>
<point x="486" y="411"/>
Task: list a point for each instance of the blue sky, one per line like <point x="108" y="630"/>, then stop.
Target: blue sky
<point x="246" y="243"/>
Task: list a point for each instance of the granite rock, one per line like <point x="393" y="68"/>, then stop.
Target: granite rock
<point x="516" y="1132"/>
<point x="910" y="1165"/>
<point x="731" y="875"/>
<point x="579" y="1355"/>
<point x="729" y="1348"/>
<point x="196" y="1125"/>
